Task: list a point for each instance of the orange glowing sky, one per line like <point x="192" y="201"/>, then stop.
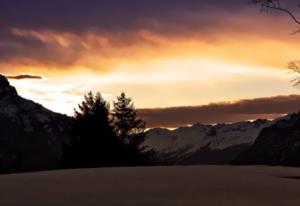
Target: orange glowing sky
<point x="221" y="54"/>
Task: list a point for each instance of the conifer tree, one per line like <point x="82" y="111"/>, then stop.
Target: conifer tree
<point x="99" y="138"/>
<point x="130" y="129"/>
<point x="93" y="142"/>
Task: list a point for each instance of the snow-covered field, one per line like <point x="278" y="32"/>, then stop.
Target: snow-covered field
<point x="184" y="186"/>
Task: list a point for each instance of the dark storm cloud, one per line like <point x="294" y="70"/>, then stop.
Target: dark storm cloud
<point x="29" y="50"/>
<point x="25" y="76"/>
<point x="117" y="19"/>
<point x="78" y="15"/>
<point x="269" y="107"/>
<point x="116" y="15"/>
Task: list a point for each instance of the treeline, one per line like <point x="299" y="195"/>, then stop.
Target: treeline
<point x="104" y="137"/>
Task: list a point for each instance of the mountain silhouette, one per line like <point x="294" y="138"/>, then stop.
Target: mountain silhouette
<point x="31" y="136"/>
<point x="278" y="144"/>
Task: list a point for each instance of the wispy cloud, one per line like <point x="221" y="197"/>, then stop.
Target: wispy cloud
<point x="25" y="76"/>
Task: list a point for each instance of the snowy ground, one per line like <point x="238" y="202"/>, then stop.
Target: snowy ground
<point x="184" y="186"/>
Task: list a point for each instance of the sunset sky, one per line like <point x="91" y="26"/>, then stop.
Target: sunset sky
<point x="162" y="53"/>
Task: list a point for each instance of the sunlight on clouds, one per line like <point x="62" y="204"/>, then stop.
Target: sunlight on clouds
<point x="183" y="70"/>
<point x="164" y="54"/>
<point x="103" y="53"/>
<point x="160" y="82"/>
<point x="156" y="69"/>
<point x="63" y="40"/>
<point x="55" y="95"/>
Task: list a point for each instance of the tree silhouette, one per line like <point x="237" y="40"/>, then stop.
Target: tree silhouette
<point x="99" y="138"/>
<point x="295" y="67"/>
<point x="130" y="129"/>
<point x="93" y="142"/>
<point x="276" y="5"/>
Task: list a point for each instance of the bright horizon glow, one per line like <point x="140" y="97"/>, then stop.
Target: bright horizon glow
<point x="156" y="84"/>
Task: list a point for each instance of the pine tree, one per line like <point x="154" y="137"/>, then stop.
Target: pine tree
<point x="128" y="126"/>
<point x="130" y="129"/>
<point x="99" y="138"/>
<point x="93" y="142"/>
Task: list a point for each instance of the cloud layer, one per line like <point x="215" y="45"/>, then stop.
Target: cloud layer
<point x="63" y="34"/>
<point x="162" y="52"/>
<point x="270" y="107"/>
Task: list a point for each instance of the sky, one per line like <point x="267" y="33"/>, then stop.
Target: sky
<point x="169" y="55"/>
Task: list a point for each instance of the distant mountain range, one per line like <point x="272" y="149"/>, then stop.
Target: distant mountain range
<point x="31" y="139"/>
<point x="204" y="144"/>
<point x="261" y="142"/>
<point x="31" y="136"/>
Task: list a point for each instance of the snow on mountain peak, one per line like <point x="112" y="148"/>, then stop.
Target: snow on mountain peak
<point x="198" y="136"/>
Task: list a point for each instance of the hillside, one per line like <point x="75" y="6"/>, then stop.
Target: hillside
<point x="31" y="136"/>
<point x="278" y="144"/>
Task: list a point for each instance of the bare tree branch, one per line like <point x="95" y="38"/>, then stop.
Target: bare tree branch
<point x="276" y="5"/>
<point x="294" y="66"/>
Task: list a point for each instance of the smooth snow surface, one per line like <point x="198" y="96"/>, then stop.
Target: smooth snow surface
<point x="155" y="186"/>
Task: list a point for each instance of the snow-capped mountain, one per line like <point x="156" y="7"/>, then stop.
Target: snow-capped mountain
<point x="209" y="144"/>
<point x="31" y="136"/>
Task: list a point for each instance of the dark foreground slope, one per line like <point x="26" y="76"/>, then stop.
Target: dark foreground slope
<point x="30" y="135"/>
<point x="278" y="144"/>
<point x="167" y="186"/>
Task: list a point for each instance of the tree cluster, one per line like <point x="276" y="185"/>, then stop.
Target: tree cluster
<point x="102" y="137"/>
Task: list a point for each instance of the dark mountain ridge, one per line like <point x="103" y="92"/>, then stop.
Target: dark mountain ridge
<point x="278" y="144"/>
<point x="31" y="136"/>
